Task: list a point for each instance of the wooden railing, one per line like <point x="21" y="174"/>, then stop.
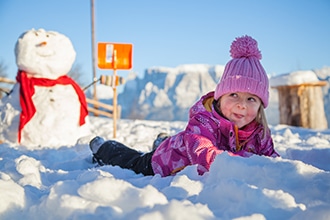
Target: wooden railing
<point x="106" y="111"/>
<point x="3" y="89"/>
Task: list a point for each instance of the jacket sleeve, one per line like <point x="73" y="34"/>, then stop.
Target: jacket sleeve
<point x="201" y="151"/>
<point x="200" y="140"/>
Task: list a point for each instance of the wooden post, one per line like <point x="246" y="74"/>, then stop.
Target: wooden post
<point x="302" y="105"/>
<point x="93" y="50"/>
<point x="114" y="86"/>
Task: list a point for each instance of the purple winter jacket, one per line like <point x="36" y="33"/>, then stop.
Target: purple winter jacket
<point x="206" y="135"/>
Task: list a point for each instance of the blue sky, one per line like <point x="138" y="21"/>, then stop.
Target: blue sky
<point x="292" y="34"/>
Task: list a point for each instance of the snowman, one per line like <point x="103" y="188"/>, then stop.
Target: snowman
<point x="45" y="108"/>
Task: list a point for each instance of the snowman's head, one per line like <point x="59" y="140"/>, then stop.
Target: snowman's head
<point x="44" y="54"/>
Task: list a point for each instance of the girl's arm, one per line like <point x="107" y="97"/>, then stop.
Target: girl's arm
<point x="201" y="151"/>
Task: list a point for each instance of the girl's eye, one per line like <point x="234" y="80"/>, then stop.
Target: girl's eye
<point x="233" y="95"/>
<point x="252" y="99"/>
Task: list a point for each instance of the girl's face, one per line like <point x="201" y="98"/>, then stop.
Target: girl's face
<point x="240" y="107"/>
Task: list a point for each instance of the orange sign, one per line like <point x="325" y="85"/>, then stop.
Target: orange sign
<point x="114" y="56"/>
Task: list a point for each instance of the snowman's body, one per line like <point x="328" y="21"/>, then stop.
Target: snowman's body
<point x="56" y="120"/>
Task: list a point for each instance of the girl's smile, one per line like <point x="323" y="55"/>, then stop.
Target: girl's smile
<point x="240" y="108"/>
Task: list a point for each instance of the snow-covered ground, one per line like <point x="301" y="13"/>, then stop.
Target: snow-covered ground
<point x="63" y="183"/>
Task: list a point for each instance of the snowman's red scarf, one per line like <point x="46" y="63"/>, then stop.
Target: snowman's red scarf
<point x="27" y="90"/>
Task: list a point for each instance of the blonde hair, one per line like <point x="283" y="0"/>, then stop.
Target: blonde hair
<point x="261" y="119"/>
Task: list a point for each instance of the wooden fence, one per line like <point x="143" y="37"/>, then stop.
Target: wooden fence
<point x="99" y="108"/>
<point x="4" y="89"/>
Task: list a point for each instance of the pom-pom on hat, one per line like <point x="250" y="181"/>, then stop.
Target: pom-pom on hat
<point x="244" y="73"/>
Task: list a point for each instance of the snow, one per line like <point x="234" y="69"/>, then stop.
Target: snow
<point x="295" y="78"/>
<point x="46" y="182"/>
<point x="63" y="183"/>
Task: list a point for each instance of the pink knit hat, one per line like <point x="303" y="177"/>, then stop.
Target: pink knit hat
<point x="244" y="73"/>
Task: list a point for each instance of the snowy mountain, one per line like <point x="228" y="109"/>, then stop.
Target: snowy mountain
<point x="167" y="93"/>
<point x="324" y="74"/>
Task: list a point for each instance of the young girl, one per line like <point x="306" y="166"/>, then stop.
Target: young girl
<point x="229" y="119"/>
